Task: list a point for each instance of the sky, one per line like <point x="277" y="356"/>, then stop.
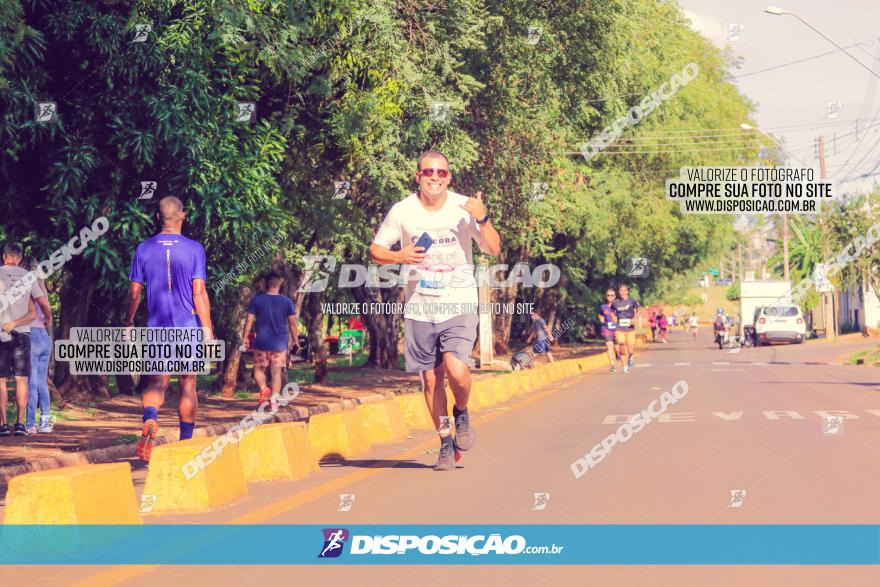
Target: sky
<point x="792" y="100"/>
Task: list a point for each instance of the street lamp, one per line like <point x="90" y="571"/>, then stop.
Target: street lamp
<point x="779" y="12"/>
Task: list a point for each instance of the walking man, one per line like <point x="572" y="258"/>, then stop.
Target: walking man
<point x="17" y="311"/>
<point x="172" y="267"/>
<point x="274" y="314"/>
<point x="440" y="318"/>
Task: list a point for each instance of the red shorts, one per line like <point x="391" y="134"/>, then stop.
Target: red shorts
<point x="270" y="358"/>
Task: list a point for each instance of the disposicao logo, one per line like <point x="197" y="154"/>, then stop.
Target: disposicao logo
<point x="334" y="540"/>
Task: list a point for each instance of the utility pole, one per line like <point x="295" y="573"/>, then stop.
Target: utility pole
<point x="740" y="247"/>
<point x="827" y="299"/>
<point x="785" y="269"/>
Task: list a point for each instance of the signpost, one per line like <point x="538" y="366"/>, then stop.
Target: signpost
<point x="350" y="341"/>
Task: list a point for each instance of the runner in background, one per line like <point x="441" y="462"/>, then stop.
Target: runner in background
<point x="652" y="323"/>
<point x="172" y="267"/>
<point x="693" y="323"/>
<point x="274" y="314"/>
<point x="662" y="326"/>
<point x="626" y="308"/>
<point x="609" y="325"/>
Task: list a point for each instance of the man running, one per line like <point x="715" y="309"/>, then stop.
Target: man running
<point x="542" y="334"/>
<point x="274" y="314"/>
<point x="626" y="307"/>
<point x="17" y="311"/>
<point x="608" y="318"/>
<point x="693" y="322"/>
<point x="652" y="324"/>
<point x="440" y="321"/>
<point x="173" y="269"/>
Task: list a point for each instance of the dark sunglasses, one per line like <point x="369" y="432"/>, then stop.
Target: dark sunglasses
<point x="609" y="295"/>
<point x="441" y="173"/>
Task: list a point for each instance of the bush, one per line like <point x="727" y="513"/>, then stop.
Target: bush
<point x="732" y="293"/>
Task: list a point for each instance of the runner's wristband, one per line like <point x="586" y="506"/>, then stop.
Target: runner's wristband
<point x="484" y="220"/>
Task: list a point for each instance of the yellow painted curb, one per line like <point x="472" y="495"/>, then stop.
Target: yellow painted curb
<point x="485" y="391"/>
<point x="277" y="451"/>
<point x="502" y="389"/>
<point x="415" y="411"/>
<point x="338" y="433"/>
<point x="383" y="421"/>
<point x="212" y="483"/>
<point x="84" y="494"/>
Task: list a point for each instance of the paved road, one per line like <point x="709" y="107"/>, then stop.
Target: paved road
<point x="753" y="421"/>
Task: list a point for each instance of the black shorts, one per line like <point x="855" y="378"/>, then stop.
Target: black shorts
<point x="15" y="355"/>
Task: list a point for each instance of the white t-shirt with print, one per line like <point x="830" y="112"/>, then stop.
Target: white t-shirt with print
<point x="435" y="298"/>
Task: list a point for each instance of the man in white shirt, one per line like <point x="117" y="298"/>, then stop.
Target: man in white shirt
<point x="17" y="310"/>
<point x="440" y="316"/>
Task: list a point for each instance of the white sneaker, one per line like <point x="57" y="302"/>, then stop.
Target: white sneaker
<point x="31" y="430"/>
<point x="626" y="368"/>
<point x="46" y="425"/>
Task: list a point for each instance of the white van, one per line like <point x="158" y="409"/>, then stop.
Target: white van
<point x="779" y="323"/>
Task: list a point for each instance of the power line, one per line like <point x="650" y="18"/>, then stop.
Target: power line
<point x="804" y="60"/>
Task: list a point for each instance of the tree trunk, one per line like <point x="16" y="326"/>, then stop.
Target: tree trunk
<point x="229" y="378"/>
<point x="501" y="323"/>
<point x="314" y="318"/>
<point x="125" y="384"/>
<point x="383" y="328"/>
<point x="75" y="300"/>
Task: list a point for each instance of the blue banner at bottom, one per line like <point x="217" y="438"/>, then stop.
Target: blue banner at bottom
<point x="442" y="544"/>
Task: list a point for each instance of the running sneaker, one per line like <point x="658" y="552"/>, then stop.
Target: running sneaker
<point x="20" y="430"/>
<point x="4" y="430"/>
<point x="148" y="439"/>
<point x="626" y="368"/>
<point x="31" y="429"/>
<point x="446" y="461"/>
<point x="445" y="426"/>
<point x="629" y="362"/>
<point x="465" y="437"/>
<point x="613" y="369"/>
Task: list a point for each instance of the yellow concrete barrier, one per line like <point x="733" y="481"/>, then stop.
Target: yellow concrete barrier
<point x="522" y="383"/>
<point x="485" y="391"/>
<point x="542" y="376"/>
<point x="277" y="451"/>
<point x="383" y="421"/>
<point x="502" y="389"/>
<point x="84" y="494"/>
<point x="183" y="477"/>
<point x="415" y="411"/>
<point x="338" y="433"/>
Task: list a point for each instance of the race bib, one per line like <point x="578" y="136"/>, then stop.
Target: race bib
<point x="624" y="322"/>
<point x="433" y="281"/>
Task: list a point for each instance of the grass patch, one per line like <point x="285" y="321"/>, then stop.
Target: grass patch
<point x="126" y="438"/>
<point x="242" y="395"/>
<point x="867" y="357"/>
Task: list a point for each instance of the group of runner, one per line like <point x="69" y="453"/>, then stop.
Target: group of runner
<point x="433" y="227"/>
<point x="617" y="316"/>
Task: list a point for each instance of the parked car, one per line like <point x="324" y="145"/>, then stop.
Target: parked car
<point x="782" y="323"/>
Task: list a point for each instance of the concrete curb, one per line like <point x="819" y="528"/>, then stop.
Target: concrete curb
<point x="127" y="451"/>
<point x="521" y="384"/>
